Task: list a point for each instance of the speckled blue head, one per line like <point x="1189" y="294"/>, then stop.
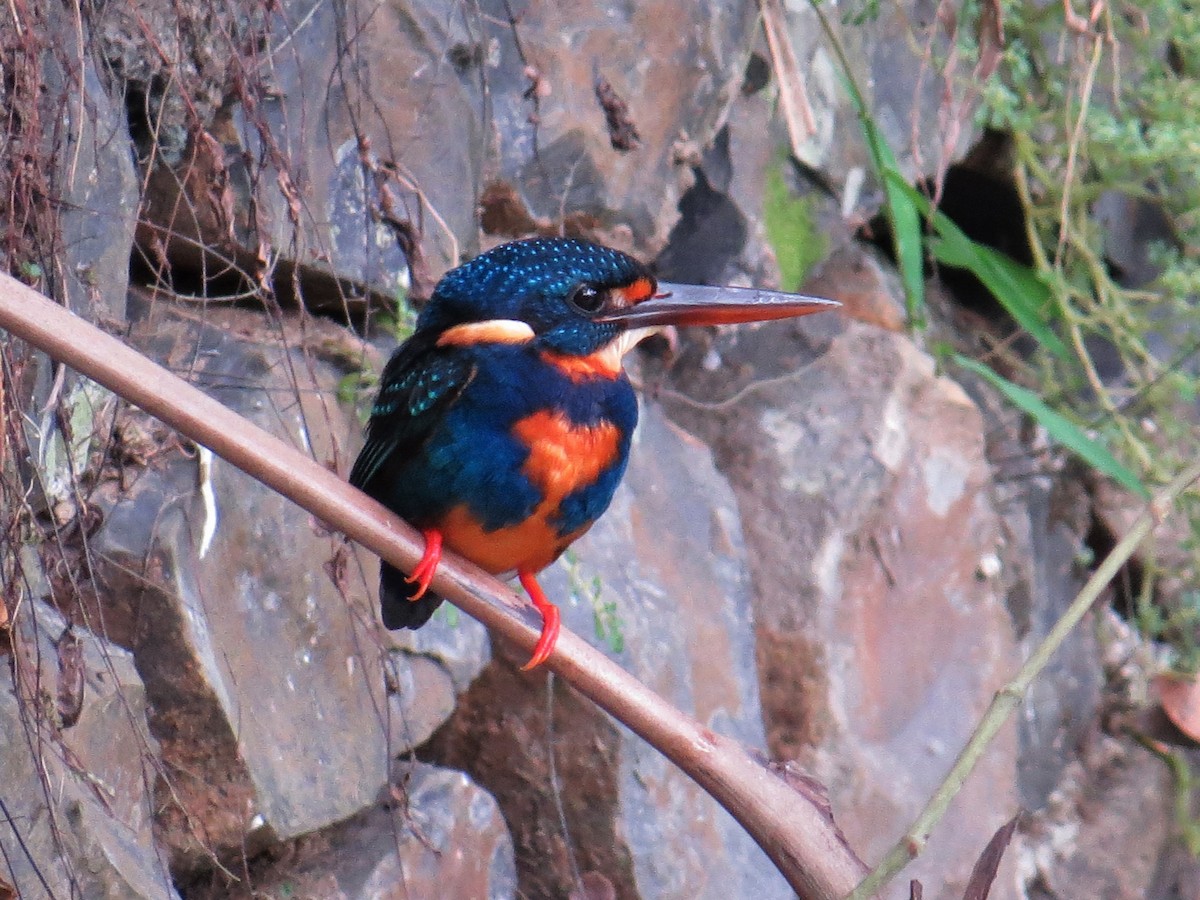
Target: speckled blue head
<point x="532" y="281"/>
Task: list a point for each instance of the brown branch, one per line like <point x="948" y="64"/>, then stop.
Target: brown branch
<point x="797" y="836"/>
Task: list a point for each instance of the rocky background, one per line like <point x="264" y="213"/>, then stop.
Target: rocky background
<point x="825" y="546"/>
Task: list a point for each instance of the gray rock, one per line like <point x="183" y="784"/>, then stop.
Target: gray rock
<point x="254" y="627"/>
<point x="865" y="499"/>
<point x="441" y="837"/>
<point x="394" y="87"/>
<point x="904" y="92"/>
<point x="1105" y="830"/>
<point x="410" y="110"/>
<point x="678" y="93"/>
<point x="79" y="766"/>
<point x="1045" y="522"/>
<point x="670" y="556"/>
<point x="79" y="225"/>
<point x="91" y="172"/>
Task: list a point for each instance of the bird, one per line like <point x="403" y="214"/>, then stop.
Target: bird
<point x="502" y="426"/>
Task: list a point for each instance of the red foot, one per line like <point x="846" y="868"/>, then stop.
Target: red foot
<point x="550" y="621"/>
<point x="423" y="573"/>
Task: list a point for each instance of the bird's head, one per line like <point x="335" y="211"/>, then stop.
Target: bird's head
<point x="579" y="299"/>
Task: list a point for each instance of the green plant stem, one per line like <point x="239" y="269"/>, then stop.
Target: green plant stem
<point x="1008" y="697"/>
<point x="1069" y="315"/>
<point x="906" y="227"/>
<point x="1085" y="98"/>
<point x="1184" y="783"/>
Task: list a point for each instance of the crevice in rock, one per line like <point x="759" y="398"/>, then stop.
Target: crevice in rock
<point x="980" y="197"/>
<point x="707" y="240"/>
<point x="988" y="209"/>
<point x="498" y="735"/>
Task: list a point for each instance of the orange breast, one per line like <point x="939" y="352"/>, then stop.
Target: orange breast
<point x="563" y="458"/>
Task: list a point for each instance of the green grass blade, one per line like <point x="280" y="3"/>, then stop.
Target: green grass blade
<point x="906" y="224"/>
<point x="1018" y="288"/>
<point x="1061" y="429"/>
<point x="905" y="220"/>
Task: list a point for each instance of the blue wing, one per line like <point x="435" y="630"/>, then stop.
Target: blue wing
<point x="420" y="383"/>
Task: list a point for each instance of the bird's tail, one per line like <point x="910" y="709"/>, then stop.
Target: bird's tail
<point x="396" y="605"/>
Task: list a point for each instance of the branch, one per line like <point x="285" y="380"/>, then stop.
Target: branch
<point x="802" y="842"/>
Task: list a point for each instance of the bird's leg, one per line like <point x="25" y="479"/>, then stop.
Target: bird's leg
<point x="423" y="573"/>
<point x="550" y="620"/>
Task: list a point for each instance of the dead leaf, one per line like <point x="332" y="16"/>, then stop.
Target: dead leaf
<point x="622" y="133"/>
<point x="991" y="39"/>
<point x="594" y="886"/>
<point x="806" y="785"/>
<point x="984" y="873"/>
<point x="1180" y="699"/>
<point x="793" y="98"/>
<point x="70" y="677"/>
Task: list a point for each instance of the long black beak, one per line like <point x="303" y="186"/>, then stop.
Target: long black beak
<point x="693" y="304"/>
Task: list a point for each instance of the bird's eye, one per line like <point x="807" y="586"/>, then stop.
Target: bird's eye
<point x="586" y="298"/>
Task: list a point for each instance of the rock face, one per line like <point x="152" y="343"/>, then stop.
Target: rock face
<point x="836" y="574"/>
<point x="69" y="188"/>
<point x="254" y="626"/>
<point x="77" y="786"/>
<point x="1123" y="796"/>
<point x="871" y="531"/>
<point x="409" y="111"/>
<point x="441" y="837"/>
<point x="910" y="99"/>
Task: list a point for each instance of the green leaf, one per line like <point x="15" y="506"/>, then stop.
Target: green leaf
<point x="1060" y="428"/>
<point x="1018" y="288"/>
<point x="903" y="216"/>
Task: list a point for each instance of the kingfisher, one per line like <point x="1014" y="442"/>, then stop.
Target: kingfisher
<point x="502" y="426"/>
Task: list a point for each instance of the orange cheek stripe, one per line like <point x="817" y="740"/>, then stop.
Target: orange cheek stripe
<point x="640" y="290"/>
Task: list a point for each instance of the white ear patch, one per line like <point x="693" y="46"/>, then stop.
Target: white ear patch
<point x="493" y="331"/>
